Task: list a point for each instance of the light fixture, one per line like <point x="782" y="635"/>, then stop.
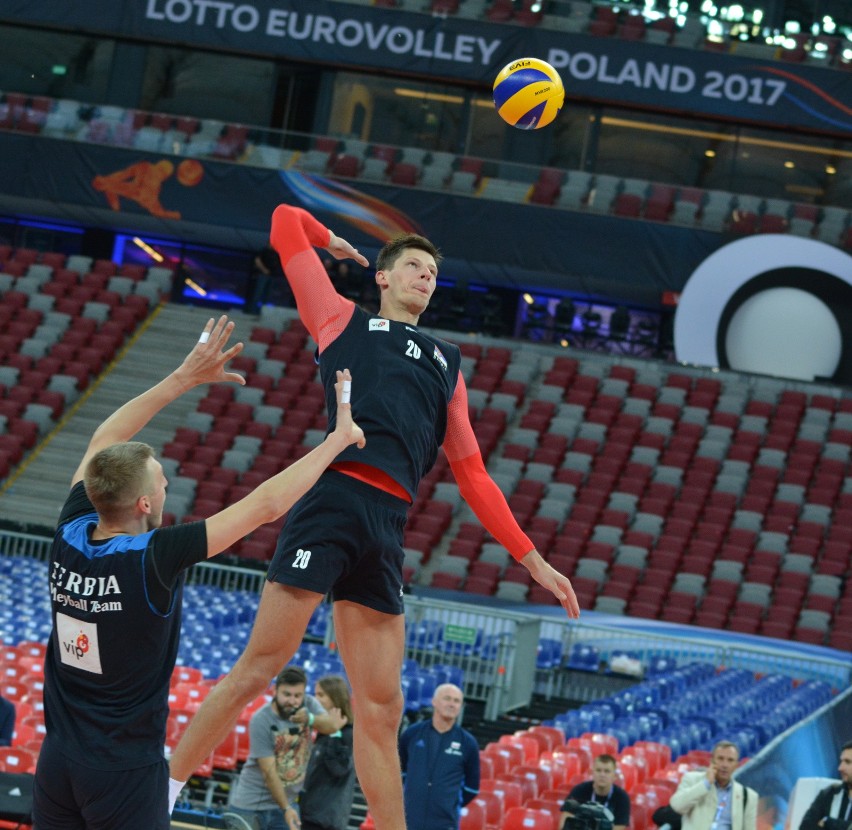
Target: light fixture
<point x="528" y="299"/>
<point x="429" y="96"/>
<point x="830" y="169"/>
<point x="789" y="165"/>
<point x="711" y="154"/>
<point x="155" y="255"/>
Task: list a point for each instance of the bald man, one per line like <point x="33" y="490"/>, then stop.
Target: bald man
<point x="440" y="765"/>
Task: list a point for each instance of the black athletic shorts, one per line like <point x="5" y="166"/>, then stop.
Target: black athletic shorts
<point x="344" y="537"/>
<point x="69" y="796"/>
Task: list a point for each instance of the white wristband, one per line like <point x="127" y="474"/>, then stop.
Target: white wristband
<point x="205" y="336"/>
<point x="346" y="394"/>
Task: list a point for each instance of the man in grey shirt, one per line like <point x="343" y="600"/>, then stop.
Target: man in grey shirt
<point x="280" y="740"/>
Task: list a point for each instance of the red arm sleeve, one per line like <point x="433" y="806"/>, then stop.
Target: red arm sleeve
<point x="477" y="488"/>
<point x="294" y="235"/>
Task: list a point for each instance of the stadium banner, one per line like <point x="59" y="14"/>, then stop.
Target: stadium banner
<point x="600" y="69"/>
<point x="557" y="250"/>
<point x="808" y="750"/>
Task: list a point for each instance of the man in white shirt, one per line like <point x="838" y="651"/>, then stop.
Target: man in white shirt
<point x="712" y="800"/>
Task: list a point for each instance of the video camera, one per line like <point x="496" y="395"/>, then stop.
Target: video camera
<point x="588" y="816"/>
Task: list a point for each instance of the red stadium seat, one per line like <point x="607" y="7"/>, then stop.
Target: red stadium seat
<point x="473" y="816"/>
<point x="511" y="792"/>
<point x="492" y="803"/>
<point x="17" y="759"/>
<point x="226" y="755"/>
<point x="523" y="818"/>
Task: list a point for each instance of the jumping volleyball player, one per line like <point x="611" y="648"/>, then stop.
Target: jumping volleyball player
<point x="345" y="536"/>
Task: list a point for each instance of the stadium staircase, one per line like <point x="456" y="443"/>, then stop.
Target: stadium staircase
<point x="156" y="347"/>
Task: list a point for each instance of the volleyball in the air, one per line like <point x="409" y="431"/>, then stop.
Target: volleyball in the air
<point x="528" y="93"/>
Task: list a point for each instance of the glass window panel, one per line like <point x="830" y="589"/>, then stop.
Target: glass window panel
<point x="656" y="147"/>
<point x="208" y="85"/>
<point x="789" y="167"/>
<point x="397" y="111"/>
<point x="55" y="64"/>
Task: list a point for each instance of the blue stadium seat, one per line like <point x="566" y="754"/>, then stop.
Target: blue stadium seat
<point x="584" y="657"/>
<point x="425" y="635"/>
<point x="549" y="653"/>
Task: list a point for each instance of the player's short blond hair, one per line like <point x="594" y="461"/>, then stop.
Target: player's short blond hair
<point x="116" y="477"/>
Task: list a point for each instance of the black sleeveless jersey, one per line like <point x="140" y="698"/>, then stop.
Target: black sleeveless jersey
<point x="402" y="383"/>
<point x="111" y="653"/>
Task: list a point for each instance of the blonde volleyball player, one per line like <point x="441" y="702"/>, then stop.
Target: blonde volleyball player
<point x="116" y="581"/>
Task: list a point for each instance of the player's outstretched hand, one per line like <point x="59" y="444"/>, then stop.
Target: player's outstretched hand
<point x="548" y="577"/>
<point x="340" y="249"/>
<point x="345" y="425"/>
<point x="206" y="362"/>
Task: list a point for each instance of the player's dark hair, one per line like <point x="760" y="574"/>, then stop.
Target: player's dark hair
<point x="393" y="248"/>
<point x="291" y="676"/>
<point x="847" y="745"/>
<point x="607" y="759"/>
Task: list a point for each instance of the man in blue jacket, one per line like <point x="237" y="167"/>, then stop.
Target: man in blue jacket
<point x="440" y="765"/>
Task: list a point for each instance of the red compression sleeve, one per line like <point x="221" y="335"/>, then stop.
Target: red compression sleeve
<point x="477" y="488"/>
<point x="294" y="235"/>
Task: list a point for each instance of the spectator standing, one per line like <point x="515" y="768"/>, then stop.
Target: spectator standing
<point x="326" y="801"/>
<point x="712" y="800"/>
<point x="602" y="790"/>
<point x="832" y="808"/>
<point x="280" y="742"/>
<point x="440" y="765"/>
<point x="265" y="271"/>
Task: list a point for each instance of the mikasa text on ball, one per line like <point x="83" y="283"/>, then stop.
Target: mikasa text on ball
<point x="528" y="93"/>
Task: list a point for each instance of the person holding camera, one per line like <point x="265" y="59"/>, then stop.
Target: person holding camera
<point x="279" y="749"/>
<point x="832" y="808"/>
<point x="711" y="799"/>
<point x="603" y="791"/>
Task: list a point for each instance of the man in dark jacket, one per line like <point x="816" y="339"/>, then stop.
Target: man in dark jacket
<point x="7" y="721"/>
<point x="440" y="765"/>
<point x="832" y="808"/>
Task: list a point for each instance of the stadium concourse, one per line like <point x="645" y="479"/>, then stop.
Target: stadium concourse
<point x="726" y="494"/>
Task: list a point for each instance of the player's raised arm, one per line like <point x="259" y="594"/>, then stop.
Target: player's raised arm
<point x="277" y="495"/>
<point x="294" y="235"/>
<point x="204" y="364"/>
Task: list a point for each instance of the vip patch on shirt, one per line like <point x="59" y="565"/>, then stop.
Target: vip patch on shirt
<point x="379" y="324"/>
<point x="440" y="358"/>
<point x="78" y="644"/>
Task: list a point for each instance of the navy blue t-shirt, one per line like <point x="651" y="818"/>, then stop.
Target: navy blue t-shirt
<point x="404" y="380"/>
<point x="116" y="624"/>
